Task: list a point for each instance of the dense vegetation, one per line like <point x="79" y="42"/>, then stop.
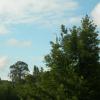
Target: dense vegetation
<point x="73" y="69"/>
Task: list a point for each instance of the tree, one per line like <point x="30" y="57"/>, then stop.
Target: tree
<point x="88" y="54"/>
<point x="62" y="62"/>
<point x="18" y="71"/>
<point x="36" y="71"/>
<point x="88" y="48"/>
<point x="74" y="62"/>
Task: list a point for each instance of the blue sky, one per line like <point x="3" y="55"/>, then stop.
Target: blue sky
<point x="28" y="26"/>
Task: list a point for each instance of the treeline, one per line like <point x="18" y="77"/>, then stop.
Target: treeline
<point x="73" y="69"/>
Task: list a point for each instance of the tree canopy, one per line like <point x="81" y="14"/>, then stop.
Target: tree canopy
<point x="18" y="71"/>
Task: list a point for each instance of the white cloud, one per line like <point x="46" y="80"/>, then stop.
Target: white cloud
<point x="19" y="43"/>
<point x="38" y="58"/>
<point x="43" y="12"/>
<point x="27" y="11"/>
<point x="96" y="14"/>
<point x="74" y="19"/>
<point x="3" y="30"/>
<point x="3" y="61"/>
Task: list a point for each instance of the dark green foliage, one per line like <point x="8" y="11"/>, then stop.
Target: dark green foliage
<point x="89" y="65"/>
<point x="88" y="48"/>
<point x="18" y="71"/>
<point x="62" y="62"/>
<point x="7" y="92"/>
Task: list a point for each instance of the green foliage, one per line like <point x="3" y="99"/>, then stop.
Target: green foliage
<point x="89" y="65"/>
<point x="18" y="71"/>
<point x="7" y="92"/>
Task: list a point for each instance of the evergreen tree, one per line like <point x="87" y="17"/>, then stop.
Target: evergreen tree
<point x="89" y="66"/>
<point x="62" y="62"/>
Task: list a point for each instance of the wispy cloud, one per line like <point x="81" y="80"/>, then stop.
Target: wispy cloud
<point x="19" y="43"/>
<point x="75" y="19"/>
<point x="3" y="29"/>
<point x="3" y="61"/>
<point x="38" y="58"/>
<point x="37" y="11"/>
<point x="96" y="14"/>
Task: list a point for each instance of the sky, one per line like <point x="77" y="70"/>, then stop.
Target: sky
<point x="28" y="26"/>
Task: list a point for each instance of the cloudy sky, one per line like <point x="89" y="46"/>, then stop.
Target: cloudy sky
<point x="27" y="27"/>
